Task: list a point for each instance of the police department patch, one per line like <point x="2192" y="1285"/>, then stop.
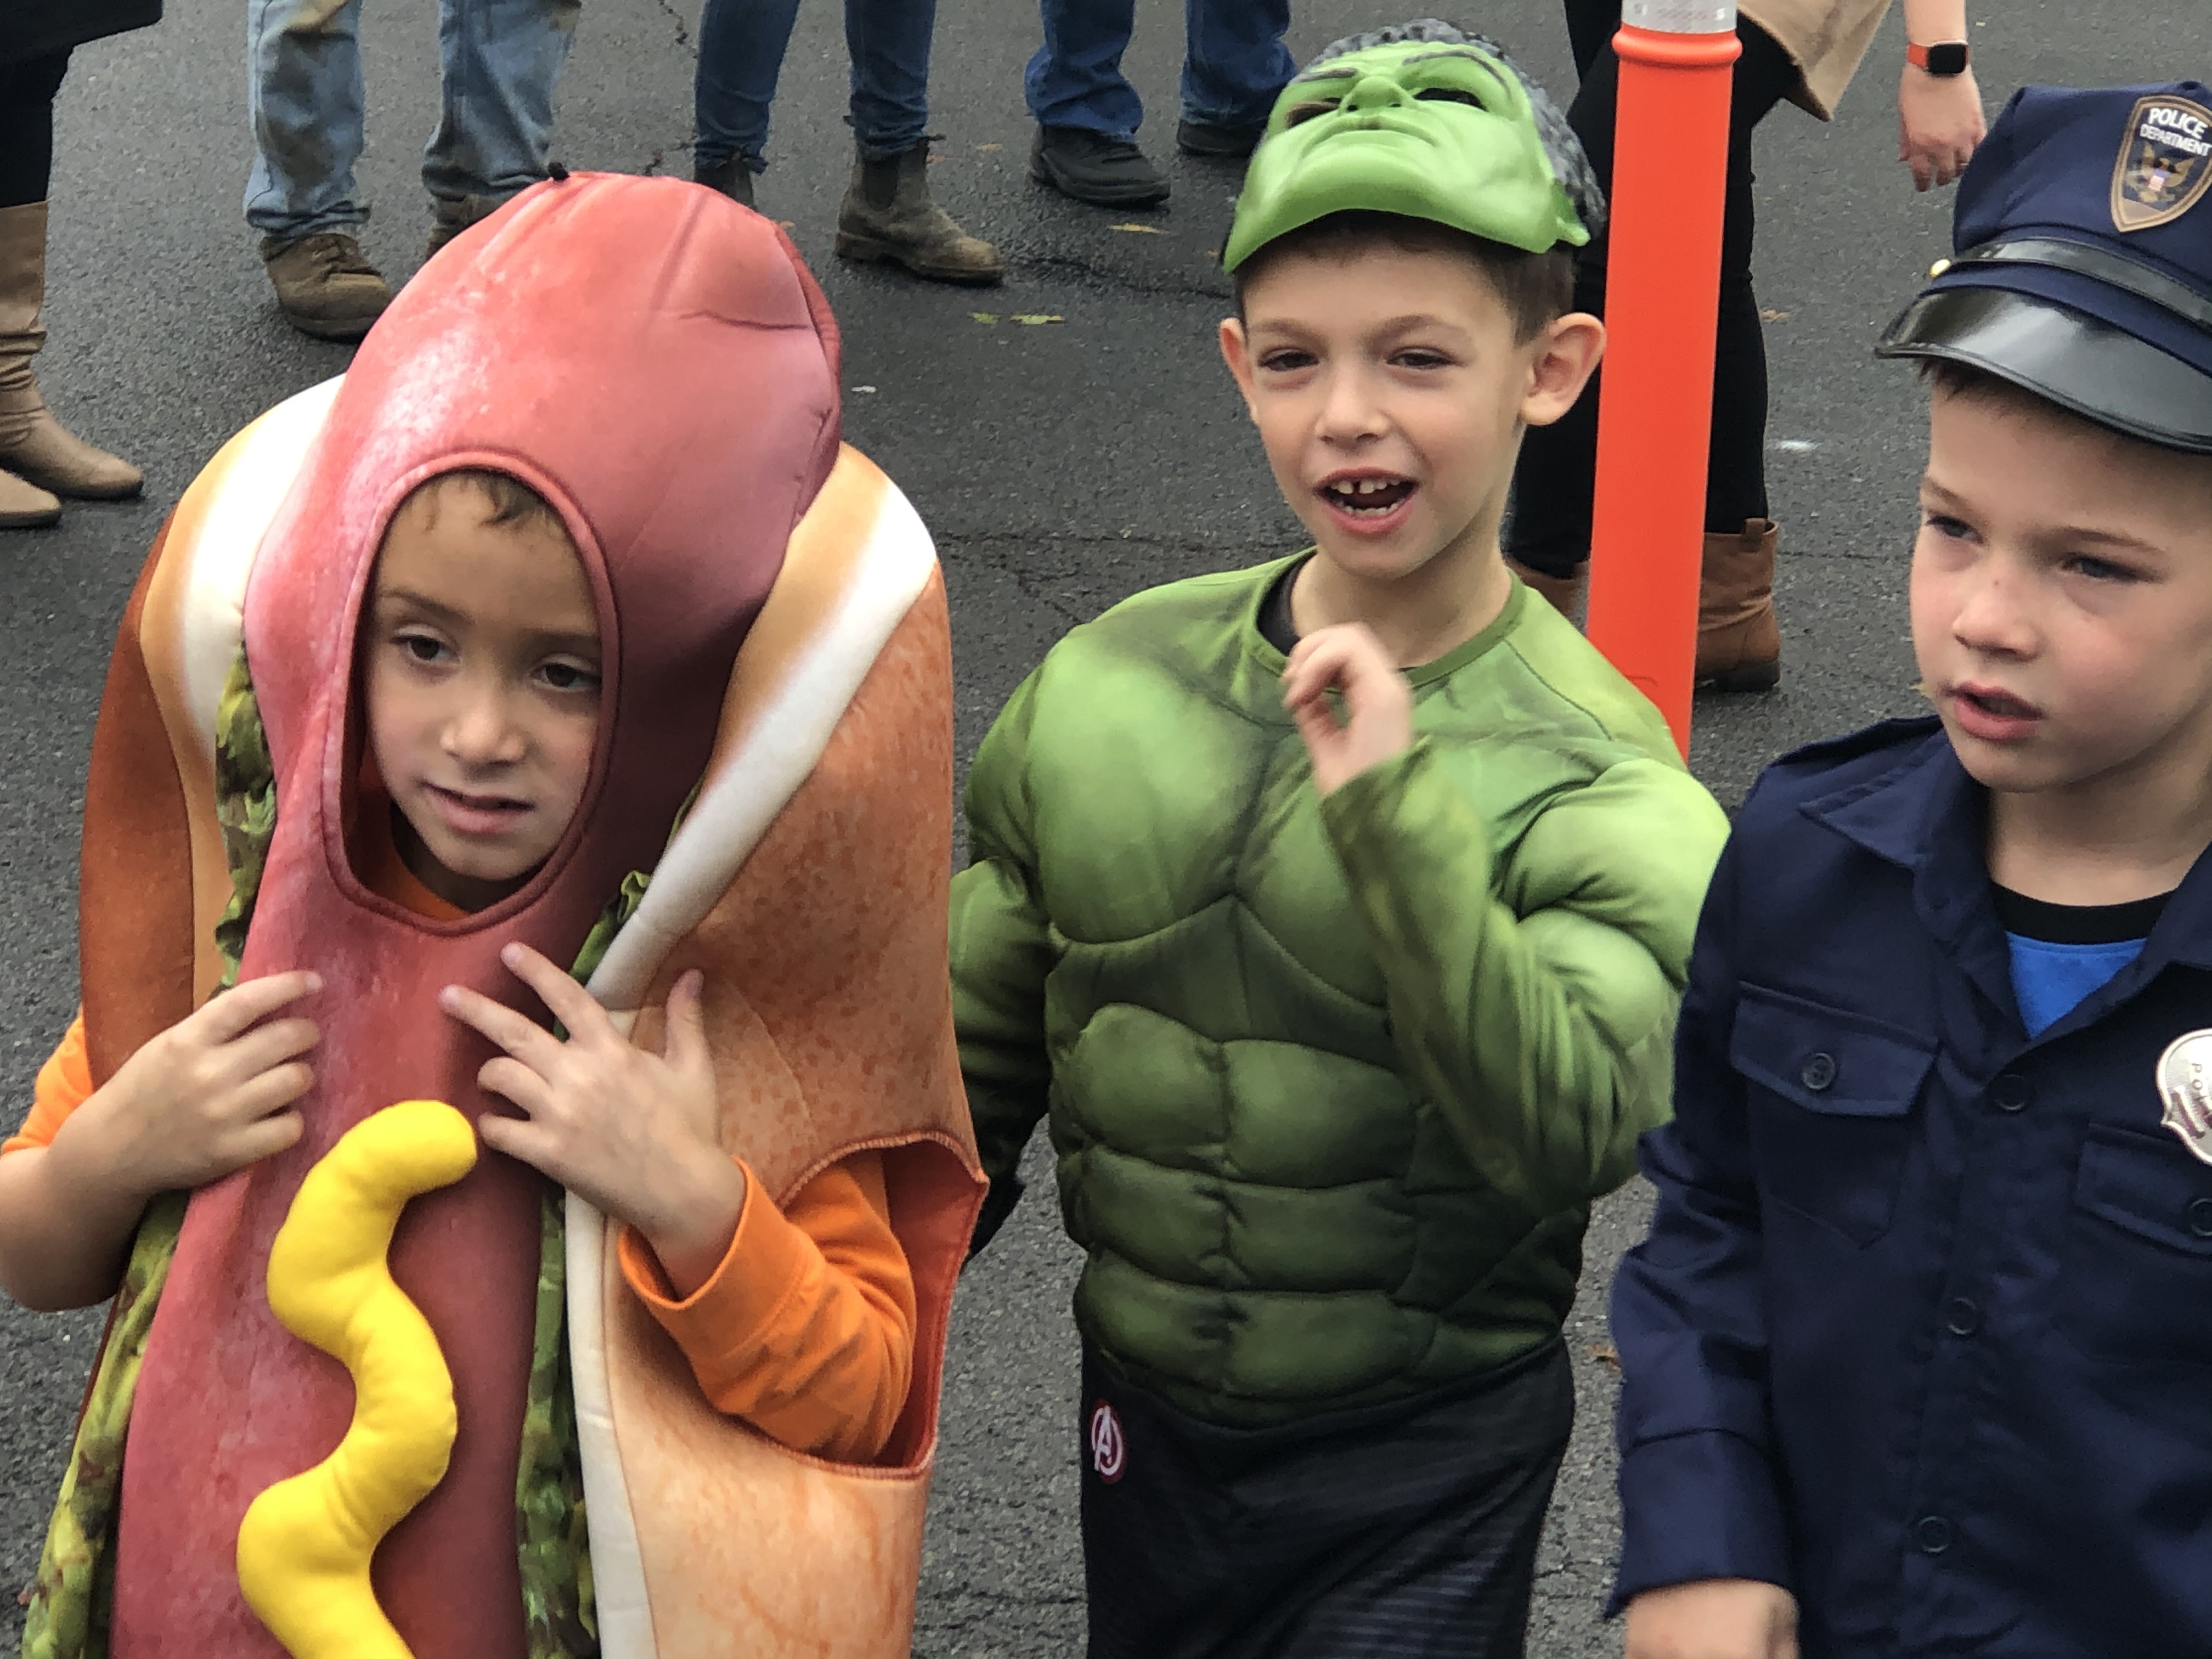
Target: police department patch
<point x="2165" y="162"/>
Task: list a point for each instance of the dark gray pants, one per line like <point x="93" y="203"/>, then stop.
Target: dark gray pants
<point x="1407" y="1530"/>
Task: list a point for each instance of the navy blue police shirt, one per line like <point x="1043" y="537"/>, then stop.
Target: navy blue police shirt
<point x="1923" y="1331"/>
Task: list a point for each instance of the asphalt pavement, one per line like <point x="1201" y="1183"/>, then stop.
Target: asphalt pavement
<point x="1062" y="463"/>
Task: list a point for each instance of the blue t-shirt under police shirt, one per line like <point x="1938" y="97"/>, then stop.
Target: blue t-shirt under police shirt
<point x="2062" y="952"/>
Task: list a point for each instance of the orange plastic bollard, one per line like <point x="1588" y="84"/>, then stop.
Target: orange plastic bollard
<point x="1663" y="288"/>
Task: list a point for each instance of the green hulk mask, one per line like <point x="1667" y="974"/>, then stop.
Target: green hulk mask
<point x="1423" y="121"/>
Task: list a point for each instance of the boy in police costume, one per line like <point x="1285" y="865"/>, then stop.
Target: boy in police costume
<point x="1335" y="910"/>
<point x="1919" y="1354"/>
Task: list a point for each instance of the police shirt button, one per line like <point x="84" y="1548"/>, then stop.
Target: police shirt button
<point x="2010" y="1092"/>
<point x="1931" y="1534"/>
<point x="1961" y="1317"/>
<point x="2200" y="1218"/>
<point x="1819" y="1072"/>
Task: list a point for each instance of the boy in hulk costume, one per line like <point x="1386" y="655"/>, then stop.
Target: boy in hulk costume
<point x="1335" y="912"/>
<point x="563" y="631"/>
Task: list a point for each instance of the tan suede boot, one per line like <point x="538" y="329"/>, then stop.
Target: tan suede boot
<point x="1569" y="595"/>
<point x="1739" y="648"/>
<point x="33" y="444"/>
<point x="25" y="505"/>
<point x="887" y="215"/>
<point x="325" y="285"/>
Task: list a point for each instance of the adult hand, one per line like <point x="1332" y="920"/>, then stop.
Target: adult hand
<point x="211" y="1094"/>
<point x="1939" y="125"/>
<point x="631" y="1133"/>
<point x="1714" y="1619"/>
<point x="1378" y="705"/>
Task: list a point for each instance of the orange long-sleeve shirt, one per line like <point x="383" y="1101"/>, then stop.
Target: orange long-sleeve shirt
<point x="805" y="1329"/>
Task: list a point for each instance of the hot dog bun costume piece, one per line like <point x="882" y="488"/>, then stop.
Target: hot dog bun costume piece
<point x="769" y="801"/>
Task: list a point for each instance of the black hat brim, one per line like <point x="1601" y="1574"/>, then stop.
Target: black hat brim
<point x="2060" y="353"/>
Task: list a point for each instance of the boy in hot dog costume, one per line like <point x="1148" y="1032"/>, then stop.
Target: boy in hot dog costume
<point x="588" y="462"/>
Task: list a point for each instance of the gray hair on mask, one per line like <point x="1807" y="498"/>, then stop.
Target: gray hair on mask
<point x="1570" y="164"/>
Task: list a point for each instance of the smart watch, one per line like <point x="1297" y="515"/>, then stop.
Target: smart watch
<point x="1944" y="59"/>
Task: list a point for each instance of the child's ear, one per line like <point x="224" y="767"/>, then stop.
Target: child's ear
<point x="1563" y="358"/>
<point x="1236" y="352"/>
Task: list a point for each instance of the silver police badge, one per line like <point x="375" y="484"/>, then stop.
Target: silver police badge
<point x="2185" y="1084"/>
<point x="2165" y="162"/>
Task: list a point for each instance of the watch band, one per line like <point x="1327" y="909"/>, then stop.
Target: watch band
<point x="1943" y="58"/>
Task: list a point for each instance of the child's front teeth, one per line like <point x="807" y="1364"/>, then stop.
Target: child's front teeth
<point x="1349" y="492"/>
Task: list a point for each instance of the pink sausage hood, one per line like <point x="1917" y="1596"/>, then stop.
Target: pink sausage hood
<point x="655" y="362"/>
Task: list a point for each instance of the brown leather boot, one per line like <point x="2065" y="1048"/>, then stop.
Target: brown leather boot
<point x="25" y="505"/>
<point x="33" y="446"/>
<point x="1739" y="648"/>
<point x="887" y="216"/>
<point x="1569" y="595"/>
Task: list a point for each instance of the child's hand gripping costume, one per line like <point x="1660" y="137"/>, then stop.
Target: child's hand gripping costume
<point x="656" y="363"/>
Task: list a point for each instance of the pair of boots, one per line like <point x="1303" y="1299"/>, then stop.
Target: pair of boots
<point x="1739" y="646"/>
<point x="40" y="459"/>
<point x="887" y="217"/>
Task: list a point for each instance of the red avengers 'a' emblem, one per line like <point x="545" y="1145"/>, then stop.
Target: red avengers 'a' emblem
<point x="1110" y="1450"/>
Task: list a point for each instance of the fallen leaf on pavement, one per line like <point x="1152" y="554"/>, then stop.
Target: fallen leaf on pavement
<point x="1606" y="1355"/>
<point x="990" y="147"/>
<point x="1773" y="316"/>
<point x="1139" y="230"/>
<point x="984" y="316"/>
<point x="1036" y="316"/>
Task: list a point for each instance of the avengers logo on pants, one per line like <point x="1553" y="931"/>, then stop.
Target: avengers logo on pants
<point x="1110" y="1450"/>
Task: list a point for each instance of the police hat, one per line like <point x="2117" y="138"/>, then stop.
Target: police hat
<point x="2083" y="268"/>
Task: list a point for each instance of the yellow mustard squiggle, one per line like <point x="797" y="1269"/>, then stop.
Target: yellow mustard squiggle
<point x="304" y="1545"/>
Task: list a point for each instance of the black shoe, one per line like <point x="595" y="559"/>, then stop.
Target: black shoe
<point x="732" y="178"/>
<point x="1227" y="143"/>
<point x="1093" y="168"/>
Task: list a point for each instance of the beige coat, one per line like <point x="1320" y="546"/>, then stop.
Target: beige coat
<point x="1824" y="38"/>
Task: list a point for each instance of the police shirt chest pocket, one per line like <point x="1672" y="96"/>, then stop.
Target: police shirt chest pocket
<point x="2135" y="1281"/>
<point x="1829" y="1101"/>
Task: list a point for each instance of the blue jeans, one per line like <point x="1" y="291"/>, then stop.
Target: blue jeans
<point x="741" y="48"/>
<point x="1234" y="64"/>
<point x="500" y="60"/>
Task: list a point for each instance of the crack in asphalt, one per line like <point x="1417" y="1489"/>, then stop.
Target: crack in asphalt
<point x="1027" y="583"/>
<point x="684" y="39"/>
<point x="1121" y="280"/>
<point x="1003" y="551"/>
<point x="683" y="29"/>
<point x="660" y="156"/>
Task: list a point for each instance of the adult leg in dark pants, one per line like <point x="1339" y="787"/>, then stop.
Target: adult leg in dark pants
<point x="39" y="459"/>
<point x="1087" y="112"/>
<point x="1553" y="484"/>
<point x="887" y="215"/>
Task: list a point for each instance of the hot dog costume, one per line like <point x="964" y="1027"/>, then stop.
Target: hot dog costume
<point x="770" y="800"/>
